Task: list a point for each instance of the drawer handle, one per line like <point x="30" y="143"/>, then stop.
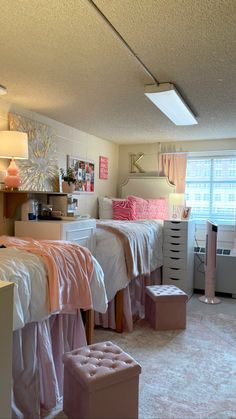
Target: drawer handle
<point x="172" y="257"/>
<point x="174" y="279"/>
<point x="175" y="237"/>
<point x="175" y="251"/>
<point x="175" y="269"/>
<point x="175" y="244"/>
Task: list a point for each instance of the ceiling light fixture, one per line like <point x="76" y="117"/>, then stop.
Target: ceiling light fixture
<point x="163" y="95"/>
<point x="3" y="90"/>
<point x="166" y="97"/>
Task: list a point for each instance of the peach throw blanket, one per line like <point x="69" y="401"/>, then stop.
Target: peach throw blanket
<point x="69" y="267"/>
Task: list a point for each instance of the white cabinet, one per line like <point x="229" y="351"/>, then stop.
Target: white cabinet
<point x="81" y="231"/>
<point x="178" y="249"/>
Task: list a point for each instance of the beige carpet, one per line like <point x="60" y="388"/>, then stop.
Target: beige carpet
<point x="185" y="374"/>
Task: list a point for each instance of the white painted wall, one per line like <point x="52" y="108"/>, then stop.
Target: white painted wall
<point x="75" y="143"/>
<point x="149" y="161"/>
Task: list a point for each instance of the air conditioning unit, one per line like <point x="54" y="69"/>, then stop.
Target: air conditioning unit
<point x="225" y="271"/>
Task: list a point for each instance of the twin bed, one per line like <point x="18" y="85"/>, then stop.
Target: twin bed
<point x="126" y="296"/>
<point x="47" y="320"/>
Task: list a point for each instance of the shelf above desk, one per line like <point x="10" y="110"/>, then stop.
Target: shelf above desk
<point x="12" y="199"/>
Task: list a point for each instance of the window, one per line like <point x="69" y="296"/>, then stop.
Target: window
<point x="211" y="188"/>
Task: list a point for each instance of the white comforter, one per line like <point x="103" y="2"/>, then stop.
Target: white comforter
<point x="28" y="273"/>
<point x="110" y="255"/>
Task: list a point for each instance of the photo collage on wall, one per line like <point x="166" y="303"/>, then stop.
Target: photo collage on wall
<point x="84" y="173"/>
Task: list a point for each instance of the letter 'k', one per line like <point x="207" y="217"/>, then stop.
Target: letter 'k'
<point x="134" y="163"/>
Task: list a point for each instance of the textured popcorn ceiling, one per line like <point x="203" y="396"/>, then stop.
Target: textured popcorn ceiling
<point x="60" y="58"/>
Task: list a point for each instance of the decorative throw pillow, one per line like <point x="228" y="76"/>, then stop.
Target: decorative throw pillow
<point x="149" y="208"/>
<point x="105" y="208"/>
<point x="141" y="207"/>
<point x="123" y="209"/>
<point x="158" y="209"/>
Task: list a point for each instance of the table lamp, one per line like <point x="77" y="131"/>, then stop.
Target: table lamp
<point x="13" y="145"/>
<point x="177" y="200"/>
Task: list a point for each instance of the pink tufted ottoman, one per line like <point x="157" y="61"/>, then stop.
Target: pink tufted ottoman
<point x="165" y="307"/>
<point x="100" y="381"/>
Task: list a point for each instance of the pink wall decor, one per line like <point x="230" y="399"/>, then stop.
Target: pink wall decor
<point x="103" y="167"/>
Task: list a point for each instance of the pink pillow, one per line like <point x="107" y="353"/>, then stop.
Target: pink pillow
<point x="122" y="209"/>
<point x="149" y="208"/>
<point x="158" y="209"/>
<point x="140" y="207"/>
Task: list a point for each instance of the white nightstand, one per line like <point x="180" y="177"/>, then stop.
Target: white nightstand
<point x="178" y="249"/>
<point x="81" y="231"/>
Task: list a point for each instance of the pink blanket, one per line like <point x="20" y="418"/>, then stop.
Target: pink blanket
<point x="69" y="268"/>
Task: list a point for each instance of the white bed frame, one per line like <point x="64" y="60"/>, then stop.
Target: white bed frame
<point x="147" y="187"/>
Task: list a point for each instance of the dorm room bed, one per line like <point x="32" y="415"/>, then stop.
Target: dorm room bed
<point x="52" y="282"/>
<point x="126" y="292"/>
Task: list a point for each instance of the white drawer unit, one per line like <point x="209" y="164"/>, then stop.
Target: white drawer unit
<point x="178" y="250"/>
<point x="81" y="231"/>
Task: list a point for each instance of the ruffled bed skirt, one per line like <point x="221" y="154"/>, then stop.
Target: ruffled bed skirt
<point x="133" y="302"/>
<point x="37" y="362"/>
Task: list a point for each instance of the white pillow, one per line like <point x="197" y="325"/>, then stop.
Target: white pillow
<point x="105" y="208"/>
<point x="105" y="211"/>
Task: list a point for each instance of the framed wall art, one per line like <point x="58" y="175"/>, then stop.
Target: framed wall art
<point x="84" y="171"/>
<point x="103" y="167"/>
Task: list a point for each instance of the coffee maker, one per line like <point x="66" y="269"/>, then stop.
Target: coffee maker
<point x="67" y="204"/>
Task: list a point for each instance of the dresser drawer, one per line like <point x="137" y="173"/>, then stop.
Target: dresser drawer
<point x="175" y="233"/>
<point x="171" y="224"/>
<point x="178" y="253"/>
<point x="175" y="262"/>
<point x="174" y="240"/>
<point x="81" y="232"/>
<point x="174" y="273"/>
<point x="84" y="237"/>
<point x="178" y="243"/>
<point x="180" y="283"/>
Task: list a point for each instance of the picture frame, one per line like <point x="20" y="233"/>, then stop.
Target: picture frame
<point x="84" y="172"/>
<point x="103" y="167"/>
<point x="186" y="211"/>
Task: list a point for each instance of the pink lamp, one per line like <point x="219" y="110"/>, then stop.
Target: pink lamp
<point x="13" y="144"/>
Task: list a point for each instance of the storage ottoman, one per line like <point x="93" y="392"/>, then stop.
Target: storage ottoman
<point x="165" y="307"/>
<point x="100" y="381"/>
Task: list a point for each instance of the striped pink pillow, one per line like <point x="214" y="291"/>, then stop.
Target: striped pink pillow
<point x="122" y="209"/>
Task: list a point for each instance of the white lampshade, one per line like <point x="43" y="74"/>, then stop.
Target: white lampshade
<point x="13" y="144"/>
<point x="177" y="199"/>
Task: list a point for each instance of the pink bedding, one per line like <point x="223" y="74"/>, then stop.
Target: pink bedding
<point x="69" y="267"/>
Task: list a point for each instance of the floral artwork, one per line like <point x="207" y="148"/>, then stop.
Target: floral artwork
<point x="84" y="173"/>
<point x="40" y="171"/>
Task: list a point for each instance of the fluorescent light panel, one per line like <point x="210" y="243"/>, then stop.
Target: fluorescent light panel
<point x="166" y="97"/>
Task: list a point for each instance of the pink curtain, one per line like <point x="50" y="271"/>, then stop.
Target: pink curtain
<point x="174" y="166"/>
